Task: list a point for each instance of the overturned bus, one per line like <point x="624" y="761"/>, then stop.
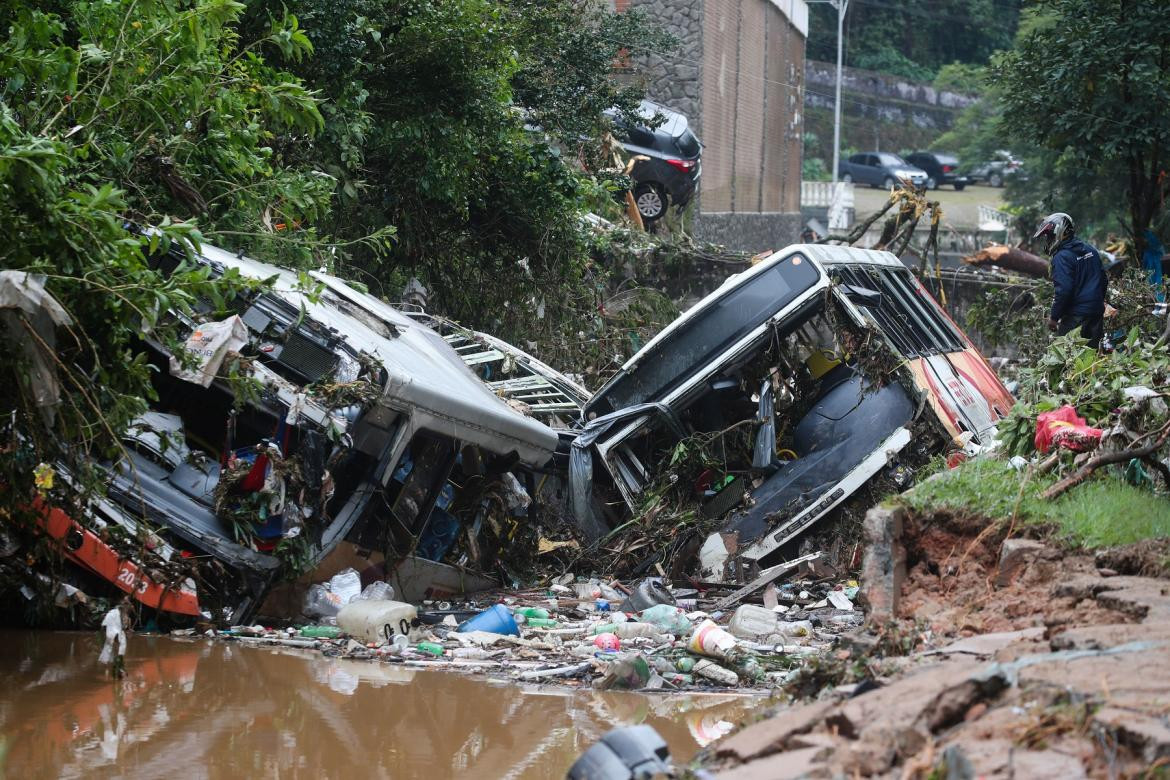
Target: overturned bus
<point x="837" y="363"/>
<point x="304" y="424"/>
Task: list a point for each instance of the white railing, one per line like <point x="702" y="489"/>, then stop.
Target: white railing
<point x="992" y="219"/>
<point x="837" y="198"/>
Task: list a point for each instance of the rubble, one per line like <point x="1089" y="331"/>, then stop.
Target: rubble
<point x="1023" y="660"/>
<point x="568" y="634"/>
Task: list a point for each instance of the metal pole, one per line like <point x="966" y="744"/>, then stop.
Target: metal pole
<point x="840" y="5"/>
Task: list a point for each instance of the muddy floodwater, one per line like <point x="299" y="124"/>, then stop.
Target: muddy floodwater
<point x="197" y="708"/>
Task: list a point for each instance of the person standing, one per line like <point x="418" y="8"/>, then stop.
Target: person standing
<point x="1152" y="262"/>
<point x="1078" y="279"/>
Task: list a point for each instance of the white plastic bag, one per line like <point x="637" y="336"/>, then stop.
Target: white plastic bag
<point x="209" y="343"/>
<point x="346" y="585"/>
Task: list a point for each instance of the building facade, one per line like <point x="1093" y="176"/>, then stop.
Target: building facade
<point x="738" y="76"/>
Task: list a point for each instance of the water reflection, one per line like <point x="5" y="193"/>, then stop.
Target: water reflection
<point x="212" y="709"/>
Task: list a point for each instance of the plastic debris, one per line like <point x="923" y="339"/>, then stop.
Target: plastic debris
<point x="554" y="634"/>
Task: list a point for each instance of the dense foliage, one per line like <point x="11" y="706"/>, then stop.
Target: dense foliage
<point x="155" y="112"/>
<point x="455" y="140"/>
<point x="913" y="39"/>
<point x="465" y="124"/>
<point x="1089" y="85"/>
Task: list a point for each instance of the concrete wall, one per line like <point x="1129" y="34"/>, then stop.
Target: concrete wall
<point x="737" y="75"/>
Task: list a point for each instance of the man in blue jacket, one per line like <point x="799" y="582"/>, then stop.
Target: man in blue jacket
<point x="1078" y="278"/>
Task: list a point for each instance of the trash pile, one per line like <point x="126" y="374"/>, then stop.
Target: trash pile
<point x="586" y="632"/>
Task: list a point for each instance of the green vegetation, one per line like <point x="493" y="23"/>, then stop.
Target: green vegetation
<point x="916" y="38"/>
<point x="1100" y="127"/>
<point x="155" y="113"/>
<point x="1104" y="512"/>
<point x="459" y="141"/>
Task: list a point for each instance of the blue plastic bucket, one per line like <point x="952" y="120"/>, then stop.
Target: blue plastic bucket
<point x="495" y="620"/>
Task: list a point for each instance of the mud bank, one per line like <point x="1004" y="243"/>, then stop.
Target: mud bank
<point x="1028" y="661"/>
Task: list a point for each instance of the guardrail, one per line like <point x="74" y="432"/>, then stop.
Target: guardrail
<point x="836" y="197"/>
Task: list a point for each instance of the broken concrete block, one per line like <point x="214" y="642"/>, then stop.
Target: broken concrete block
<point x="803" y="763"/>
<point x="772" y="735"/>
<point x="1015" y="555"/>
<point x="1147" y="736"/>
<point x="883" y="568"/>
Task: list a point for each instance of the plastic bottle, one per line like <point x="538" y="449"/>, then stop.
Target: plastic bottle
<point x="713" y="671"/>
<point x="631" y="630"/>
<point x="377" y="591"/>
<point x="376" y="621"/>
<point x="470" y="652"/>
<point x="531" y="612"/>
<point x="711" y="640"/>
<point x="321" y="632"/>
<point x="538" y="622"/>
<point x="686" y="664"/>
<point x="794" y="628"/>
<point x="752" y="622"/>
<point x="430" y="648"/>
<point x="668" y="618"/>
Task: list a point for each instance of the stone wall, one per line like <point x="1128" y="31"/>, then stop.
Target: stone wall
<point x="674" y="80"/>
<point x="881" y="97"/>
<point x="745" y="232"/>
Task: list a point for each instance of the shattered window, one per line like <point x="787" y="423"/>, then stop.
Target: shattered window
<point x="701" y="339"/>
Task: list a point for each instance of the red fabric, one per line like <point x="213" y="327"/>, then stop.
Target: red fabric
<point x="1064" y="428"/>
<point x="254" y="480"/>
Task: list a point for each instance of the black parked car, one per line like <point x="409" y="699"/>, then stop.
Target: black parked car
<point x="671" y="175"/>
<point x="881" y="169"/>
<point x="940" y="169"/>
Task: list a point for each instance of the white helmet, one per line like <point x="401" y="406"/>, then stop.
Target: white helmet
<point x="1056" y="229"/>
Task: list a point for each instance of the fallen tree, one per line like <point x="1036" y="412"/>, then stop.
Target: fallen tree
<point x="1010" y="257"/>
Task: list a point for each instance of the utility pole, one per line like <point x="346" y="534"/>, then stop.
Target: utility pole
<point x="841" y="6"/>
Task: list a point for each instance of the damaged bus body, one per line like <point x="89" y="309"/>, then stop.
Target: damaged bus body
<point x="304" y="421"/>
<point x="838" y="364"/>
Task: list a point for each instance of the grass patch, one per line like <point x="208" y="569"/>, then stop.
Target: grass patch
<point x="1102" y="512"/>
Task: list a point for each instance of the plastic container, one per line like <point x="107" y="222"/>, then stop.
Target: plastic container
<point x="752" y="622"/>
<point x="711" y="640"/>
<point x="539" y="622"/>
<point x="346" y="585"/>
<point x="646" y="594"/>
<point x="376" y="621"/>
<point x="716" y="673"/>
<point x="669" y="618"/>
<point x="321" y="602"/>
<point x="377" y="591"/>
<point x="321" y="632"/>
<point x="632" y="630"/>
<point x="531" y="612"/>
<point x="494" y="620"/>
<point x="430" y="648"/>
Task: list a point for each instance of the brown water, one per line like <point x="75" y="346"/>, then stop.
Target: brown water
<point x="196" y="708"/>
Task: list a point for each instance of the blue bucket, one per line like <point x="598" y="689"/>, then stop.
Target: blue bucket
<point x="495" y="620"/>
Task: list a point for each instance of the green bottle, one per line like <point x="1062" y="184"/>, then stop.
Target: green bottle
<point x="430" y="648"/>
<point x="531" y="612"/>
<point x="537" y="622"/>
<point x="321" y="632"/>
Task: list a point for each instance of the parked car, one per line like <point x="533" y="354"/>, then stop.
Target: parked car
<point x="940" y="169"/>
<point x="996" y="171"/>
<point x="879" y="169"/>
<point x="671" y="174"/>
<point x="834" y="363"/>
